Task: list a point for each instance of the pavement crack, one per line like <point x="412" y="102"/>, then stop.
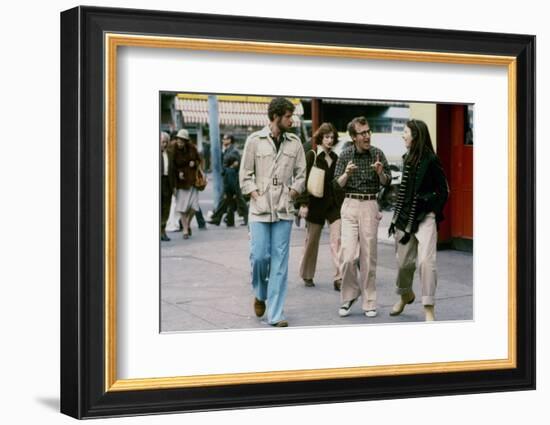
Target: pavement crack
<point x="191" y="313"/>
<point x="189" y="303"/>
<point x="204" y="260"/>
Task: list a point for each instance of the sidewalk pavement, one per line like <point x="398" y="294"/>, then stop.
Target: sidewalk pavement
<point x="205" y="283"/>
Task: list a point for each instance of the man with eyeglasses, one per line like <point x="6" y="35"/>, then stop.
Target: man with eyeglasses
<point x="360" y="171"/>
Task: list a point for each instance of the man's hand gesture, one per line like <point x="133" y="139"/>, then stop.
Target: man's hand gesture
<point x="378" y="166"/>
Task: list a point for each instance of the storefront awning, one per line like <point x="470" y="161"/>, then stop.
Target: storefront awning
<point x="233" y="110"/>
<point x="366" y="102"/>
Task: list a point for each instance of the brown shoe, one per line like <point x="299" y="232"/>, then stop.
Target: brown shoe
<point x="399" y="306"/>
<point x="309" y="283"/>
<point x="259" y="307"/>
<point x="338" y="285"/>
<point x="281" y="324"/>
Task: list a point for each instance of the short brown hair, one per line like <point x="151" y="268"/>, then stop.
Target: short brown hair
<point x="357" y="120"/>
<point x="325" y="128"/>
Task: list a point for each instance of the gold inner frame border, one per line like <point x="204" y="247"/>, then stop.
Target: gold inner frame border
<point x="112" y="41"/>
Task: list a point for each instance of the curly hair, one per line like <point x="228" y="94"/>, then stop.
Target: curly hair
<point x="279" y="106"/>
<point x="325" y="128"/>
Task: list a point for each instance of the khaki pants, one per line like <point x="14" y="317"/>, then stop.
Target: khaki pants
<point x="420" y="249"/>
<point x="311" y="249"/>
<point x="360" y="221"/>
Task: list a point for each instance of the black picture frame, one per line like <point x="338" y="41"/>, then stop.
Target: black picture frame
<point x="83" y="167"/>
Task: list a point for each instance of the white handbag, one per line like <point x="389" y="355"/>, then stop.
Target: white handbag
<point x="316" y="180"/>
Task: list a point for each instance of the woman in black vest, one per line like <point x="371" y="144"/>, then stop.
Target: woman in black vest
<point x="418" y="212"/>
<point x="317" y="211"/>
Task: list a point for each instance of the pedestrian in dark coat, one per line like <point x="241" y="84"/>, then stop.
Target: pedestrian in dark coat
<point x="232" y="197"/>
<point x="166" y="183"/>
<point x="185" y="165"/>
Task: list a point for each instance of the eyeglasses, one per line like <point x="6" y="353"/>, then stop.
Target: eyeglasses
<point x="365" y="132"/>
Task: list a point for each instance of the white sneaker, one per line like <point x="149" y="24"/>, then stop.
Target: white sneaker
<point x="370" y="313"/>
<point x="346" y="308"/>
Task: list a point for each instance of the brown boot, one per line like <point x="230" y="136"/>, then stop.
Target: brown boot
<point x="259" y="307"/>
<point x="429" y="312"/>
<point x="399" y="306"/>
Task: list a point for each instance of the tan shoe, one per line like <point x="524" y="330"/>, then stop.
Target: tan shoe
<point x="309" y="283"/>
<point x="399" y="306"/>
<point x="429" y="312"/>
<point x="259" y="307"/>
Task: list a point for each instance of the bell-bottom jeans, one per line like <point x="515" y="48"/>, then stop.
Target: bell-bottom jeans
<point x="269" y="246"/>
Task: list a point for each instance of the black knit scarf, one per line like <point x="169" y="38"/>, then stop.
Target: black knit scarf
<point x="406" y="194"/>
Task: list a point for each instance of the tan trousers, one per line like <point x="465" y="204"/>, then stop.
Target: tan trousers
<point x="311" y="249"/>
<point x="421" y="250"/>
<point x="360" y="221"/>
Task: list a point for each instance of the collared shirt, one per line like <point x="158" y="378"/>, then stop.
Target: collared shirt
<point x="277" y="140"/>
<point x="364" y="179"/>
<point x="326" y="155"/>
<point x="164" y="163"/>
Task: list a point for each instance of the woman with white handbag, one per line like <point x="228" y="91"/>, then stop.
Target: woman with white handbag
<point x="321" y="203"/>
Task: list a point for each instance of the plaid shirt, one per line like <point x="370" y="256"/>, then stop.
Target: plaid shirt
<point x="364" y="179"/>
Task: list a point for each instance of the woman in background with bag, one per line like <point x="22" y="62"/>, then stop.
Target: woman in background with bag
<point x="321" y="202"/>
<point x="186" y="167"/>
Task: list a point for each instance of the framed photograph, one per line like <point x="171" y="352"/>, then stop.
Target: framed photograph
<point x="171" y="298"/>
<point x="198" y="277"/>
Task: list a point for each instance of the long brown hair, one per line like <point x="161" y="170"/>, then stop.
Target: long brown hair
<point x="325" y="128"/>
<point x="421" y="141"/>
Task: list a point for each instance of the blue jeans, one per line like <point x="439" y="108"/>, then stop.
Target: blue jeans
<point x="269" y="246"/>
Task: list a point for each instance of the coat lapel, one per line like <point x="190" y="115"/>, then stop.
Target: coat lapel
<point x="421" y="172"/>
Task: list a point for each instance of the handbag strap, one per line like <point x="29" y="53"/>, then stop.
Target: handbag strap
<point x="315" y="160"/>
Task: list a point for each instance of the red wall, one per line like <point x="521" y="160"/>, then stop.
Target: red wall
<point x="457" y="159"/>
